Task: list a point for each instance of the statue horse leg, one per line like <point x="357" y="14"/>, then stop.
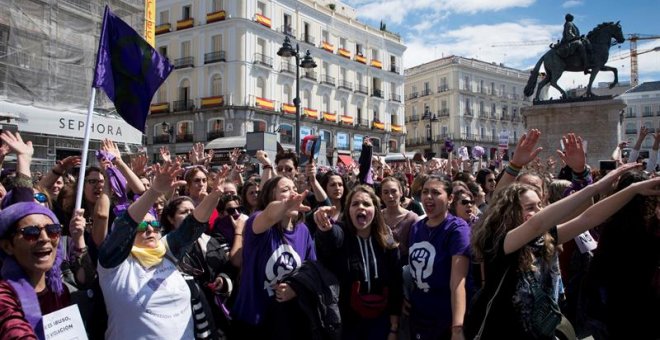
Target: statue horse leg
<point x="592" y="77"/>
<point x="553" y="83"/>
<point x="616" y="74"/>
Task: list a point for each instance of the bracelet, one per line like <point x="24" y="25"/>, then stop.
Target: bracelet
<point x="583" y="174"/>
<point x="237" y="234"/>
<point x="80" y="250"/>
<point x="456" y="328"/>
<point x="515" y="166"/>
<point x="512" y="170"/>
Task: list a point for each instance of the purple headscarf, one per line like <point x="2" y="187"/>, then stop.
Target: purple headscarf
<point x="14" y="274"/>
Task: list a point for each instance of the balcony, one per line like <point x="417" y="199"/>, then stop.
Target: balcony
<point x="443" y="88"/>
<point x="631" y="115"/>
<point x="263" y="60"/>
<point x="395" y="97"/>
<point x="343" y="84"/>
<point x="184" y="62"/>
<point x="412" y="118"/>
<point x="376" y="63"/>
<point x="288" y="30"/>
<point x="328" y="80"/>
<point x="395" y="69"/>
<point x="363" y="122"/>
<point x="361" y="89"/>
<point x="344" y="53"/>
<point x="647" y="114"/>
<point x="216" y="16"/>
<point x="311" y="75"/>
<point x="377" y="93"/>
<point x="515" y="118"/>
<point x="163" y="28"/>
<point x="211" y="135"/>
<point x="328" y="46"/>
<point x="287" y="67"/>
<point x="184" y="138"/>
<point x="214" y="57"/>
<point x="631" y="131"/>
<point x="504" y="117"/>
<point x="468" y="113"/>
<point x="308" y="38"/>
<point x="443" y="113"/>
<point x="214" y="101"/>
<point x="425" y="92"/>
<point x="185" y="23"/>
<point x="413" y="95"/>
<point x="159" y="108"/>
<point x="182" y="105"/>
<point x="162" y="139"/>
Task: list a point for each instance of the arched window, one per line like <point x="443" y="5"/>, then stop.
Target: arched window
<point x="216" y="85"/>
<point x="184" y="131"/>
<point x="392" y="146"/>
<point x="184" y="90"/>
<point x="215" y="128"/>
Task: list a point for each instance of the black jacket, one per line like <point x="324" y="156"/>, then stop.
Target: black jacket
<point x="318" y="297"/>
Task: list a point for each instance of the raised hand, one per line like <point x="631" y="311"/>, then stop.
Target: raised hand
<point x="16" y="144"/>
<point x="526" y="149"/>
<point x="573" y="154"/>
<point x="77" y="225"/>
<point x="196" y="155"/>
<point x="649" y="187"/>
<point x="233" y="155"/>
<point x="4" y="151"/>
<point x="165" y="177"/>
<point x="238" y="223"/>
<point x="69" y="163"/>
<point x="111" y="148"/>
<point x="165" y="154"/>
<point x="295" y="202"/>
<point x="139" y="164"/>
<point x="262" y="157"/>
<point x="605" y="184"/>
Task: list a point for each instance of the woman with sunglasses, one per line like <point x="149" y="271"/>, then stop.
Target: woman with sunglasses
<point x="463" y="205"/>
<point x="31" y="284"/>
<point x="144" y="292"/>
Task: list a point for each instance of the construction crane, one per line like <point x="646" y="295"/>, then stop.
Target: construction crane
<point x="632" y="38"/>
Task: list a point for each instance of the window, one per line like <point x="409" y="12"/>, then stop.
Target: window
<point x="358" y="48"/>
<point x="258" y="126"/>
<point x="468" y="106"/>
<point x="443" y="84"/>
<point x="375" y="54"/>
<point x="185" y="49"/>
<point x="261" y="46"/>
<point x="492" y="89"/>
<point x="261" y="87"/>
<point x="391" y="144"/>
<point x="162" y="95"/>
<point x="325" y="36"/>
<point x="357" y="142"/>
<point x="261" y="8"/>
<point x="216" y="43"/>
<point x="163" y="51"/>
<point x="306" y="32"/>
<point x="342" y="43"/>
<point x="164" y="17"/>
<point x="342" y="74"/>
<point x="307" y="99"/>
<point x="184" y="90"/>
<point x="326" y="103"/>
<point x="216" y="125"/>
<point x="185" y="12"/>
<point x="342" y="106"/>
<point x="184" y="128"/>
<point x="286" y="134"/>
<point x="342" y="141"/>
<point x="216" y="85"/>
<point x="286" y="95"/>
<point x="287" y="23"/>
<point x="482" y="132"/>
<point x="216" y="5"/>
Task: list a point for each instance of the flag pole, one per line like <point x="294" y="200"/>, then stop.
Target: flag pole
<point x="85" y="150"/>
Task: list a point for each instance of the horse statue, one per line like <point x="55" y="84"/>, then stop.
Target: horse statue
<point x="600" y="41"/>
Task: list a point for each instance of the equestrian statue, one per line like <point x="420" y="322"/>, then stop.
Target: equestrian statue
<point x="577" y="53"/>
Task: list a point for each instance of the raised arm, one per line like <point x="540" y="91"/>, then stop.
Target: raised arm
<point x="132" y="180"/>
<point x="555" y="213"/>
<point x="275" y="210"/>
<point x="526" y="151"/>
<point x="319" y="193"/>
<point x="23" y="150"/>
<point x="268" y="171"/>
<point x="634" y="153"/>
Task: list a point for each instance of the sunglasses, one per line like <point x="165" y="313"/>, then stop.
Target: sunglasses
<point x="155" y="225"/>
<point x="32" y="233"/>
<point x="40" y="197"/>
<point x="467" y="202"/>
<point x="233" y="211"/>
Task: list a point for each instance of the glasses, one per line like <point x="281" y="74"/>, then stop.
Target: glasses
<point x="94" y="181"/>
<point x="283" y="169"/>
<point x="31" y="233"/>
<point x="467" y="202"/>
<point x="155" y="225"/>
<point x="40" y="197"/>
<point x="233" y="211"/>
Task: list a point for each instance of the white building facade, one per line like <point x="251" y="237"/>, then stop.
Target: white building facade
<point x="470" y="102"/>
<point x="228" y="79"/>
<point x="643" y="109"/>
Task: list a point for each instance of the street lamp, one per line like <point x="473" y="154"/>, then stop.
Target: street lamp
<point x="287" y="51"/>
<point x="432" y="118"/>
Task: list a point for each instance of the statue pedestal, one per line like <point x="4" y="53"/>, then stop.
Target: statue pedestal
<point x="597" y="122"/>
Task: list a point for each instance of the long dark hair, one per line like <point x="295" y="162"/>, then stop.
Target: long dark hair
<point x="244" y="191"/>
<point x="267" y="195"/>
<point x="325" y="179"/>
<point x="170" y="210"/>
<point x="379" y="229"/>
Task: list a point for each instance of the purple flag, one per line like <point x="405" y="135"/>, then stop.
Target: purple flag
<point x="128" y="69"/>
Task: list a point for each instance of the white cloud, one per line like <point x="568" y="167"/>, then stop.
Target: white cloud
<point x="572" y="3"/>
<point x="396" y="11"/>
<point x="476" y="42"/>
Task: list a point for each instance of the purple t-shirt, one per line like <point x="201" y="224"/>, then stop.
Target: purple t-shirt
<point x="266" y="260"/>
<point x="429" y="258"/>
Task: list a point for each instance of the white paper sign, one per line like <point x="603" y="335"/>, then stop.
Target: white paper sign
<point x="64" y="324"/>
<point x="585" y="242"/>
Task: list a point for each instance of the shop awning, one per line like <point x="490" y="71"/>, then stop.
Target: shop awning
<point x="346" y="159"/>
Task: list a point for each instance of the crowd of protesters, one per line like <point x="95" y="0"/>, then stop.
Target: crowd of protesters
<point x="175" y="248"/>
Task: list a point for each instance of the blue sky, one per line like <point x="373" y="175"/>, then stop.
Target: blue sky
<point x="432" y="29"/>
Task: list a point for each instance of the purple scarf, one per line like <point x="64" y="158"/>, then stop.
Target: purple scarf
<point x="117" y="182"/>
